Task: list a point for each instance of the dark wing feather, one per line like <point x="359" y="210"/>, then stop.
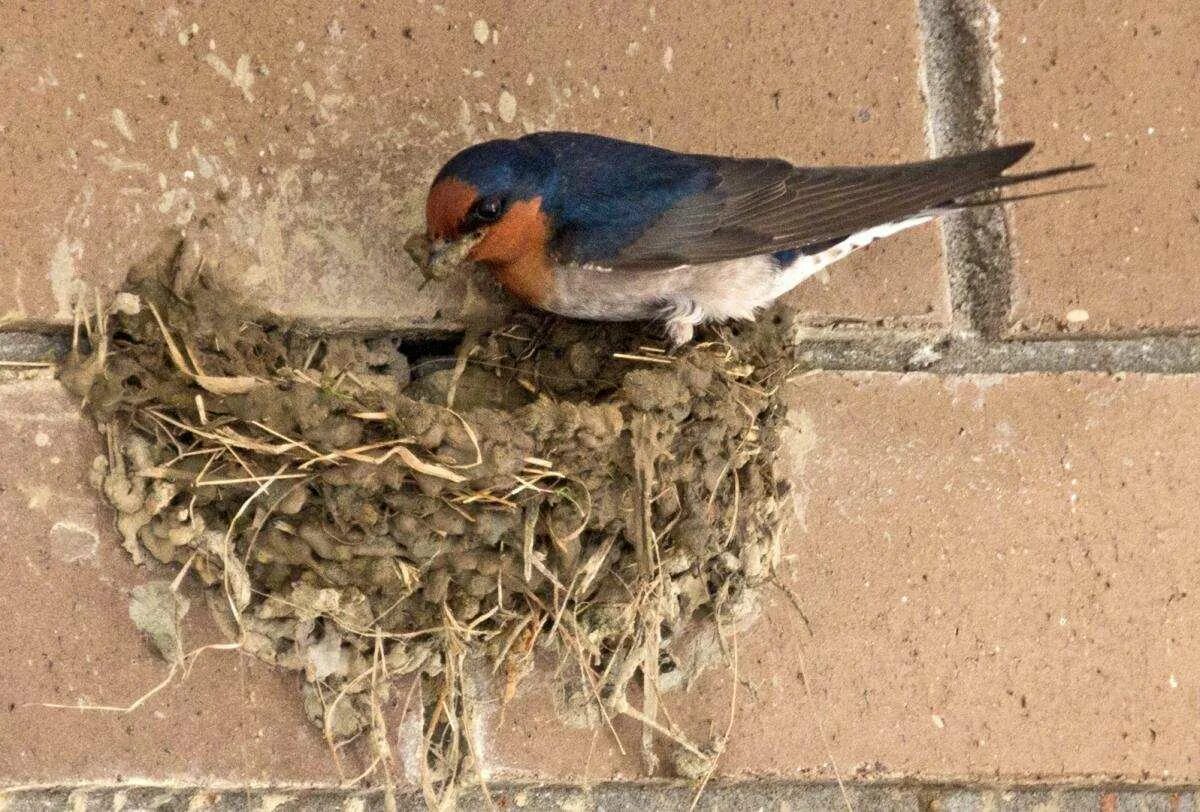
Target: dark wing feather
<point x="760" y="206"/>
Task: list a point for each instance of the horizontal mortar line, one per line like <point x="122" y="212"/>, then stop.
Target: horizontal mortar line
<point x="863" y="350"/>
<point x="981" y="785"/>
<point x="958" y="356"/>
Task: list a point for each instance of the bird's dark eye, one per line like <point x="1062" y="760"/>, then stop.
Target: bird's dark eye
<point x="487" y="209"/>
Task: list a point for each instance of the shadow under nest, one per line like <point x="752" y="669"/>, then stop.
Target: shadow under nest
<point x="553" y="490"/>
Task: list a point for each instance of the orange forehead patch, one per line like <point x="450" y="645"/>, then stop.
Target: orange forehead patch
<point x="446" y="207"/>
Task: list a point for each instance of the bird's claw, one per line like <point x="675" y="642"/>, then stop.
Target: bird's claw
<point x="679" y="333"/>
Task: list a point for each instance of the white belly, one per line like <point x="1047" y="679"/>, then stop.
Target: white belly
<point x="724" y="290"/>
<point x="693" y="294"/>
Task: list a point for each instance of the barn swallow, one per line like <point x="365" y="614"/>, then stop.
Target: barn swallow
<point x="597" y="228"/>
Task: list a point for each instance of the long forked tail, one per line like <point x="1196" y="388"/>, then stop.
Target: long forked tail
<point x="911" y="194"/>
<point x="835" y="203"/>
<point x="1001" y="158"/>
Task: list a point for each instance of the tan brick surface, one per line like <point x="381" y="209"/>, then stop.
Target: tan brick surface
<point x="66" y="638"/>
<point x="1114" y="82"/>
<point x="303" y="133"/>
<point x="997" y="574"/>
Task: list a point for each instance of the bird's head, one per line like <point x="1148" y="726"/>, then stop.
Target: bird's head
<point x="492" y="195"/>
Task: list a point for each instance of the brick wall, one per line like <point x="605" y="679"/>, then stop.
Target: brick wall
<point x="995" y="456"/>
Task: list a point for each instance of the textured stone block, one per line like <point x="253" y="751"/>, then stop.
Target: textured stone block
<point x="297" y="139"/>
<point x="1114" y="83"/>
<point x="995" y="578"/>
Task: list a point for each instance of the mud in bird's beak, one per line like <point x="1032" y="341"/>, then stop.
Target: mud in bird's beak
<point x="435" y="249"/>
<point x="438" y="258"/>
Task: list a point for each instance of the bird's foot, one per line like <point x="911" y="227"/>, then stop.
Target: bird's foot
<point x="680" y="319"/>
<point x="679" y="332"/>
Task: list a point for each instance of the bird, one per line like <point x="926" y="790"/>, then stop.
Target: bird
<point x="597" y="228"/>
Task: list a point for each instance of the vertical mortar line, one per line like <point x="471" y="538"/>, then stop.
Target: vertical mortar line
<point x="959" y="82"/>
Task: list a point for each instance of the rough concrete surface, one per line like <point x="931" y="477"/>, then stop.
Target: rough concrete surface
<point x="1114" y="82"/>
<point x="995" y="573"/>
<point x="995" y="556"/>
<point x="297" y="139"/>
<point x="994" y="570"/>
<point x="67" y="638"/>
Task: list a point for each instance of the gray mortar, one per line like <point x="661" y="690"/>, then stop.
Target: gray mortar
<point x="28" y="347"/>
<point x="881" y="350"/>
<point x="960" y="96"/>
<point x="1171" y="355"/>
<point x="735" y="796"/>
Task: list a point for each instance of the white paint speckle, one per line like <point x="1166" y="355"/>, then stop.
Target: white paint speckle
<point x="481" y="31"/>
<point x="116" y="163"/>
<point x="506" y="107"/>
<point x="240" y="76"/>
<point x="204" y="163"/>
<point x="121" y="122"/>
<point x="173" y="135"/>
<point x="1077" y="316"/>
<point x="465" y="125"/>
<point x="41" y="439"/>
<point x="71" y="541"/>
<point x="938" y="721"/>
<point x="1173" y="682"/>
<point x="185" y="202"/>
<point x="668" y="58"/>
<point x="64" y="278"/>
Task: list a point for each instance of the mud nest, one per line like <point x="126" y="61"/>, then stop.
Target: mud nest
<point x="552" y="489"/>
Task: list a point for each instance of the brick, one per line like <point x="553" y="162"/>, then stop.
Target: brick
<point x="996" y="573"/>
<point x="67" y="638"/>
<point x="1009" y="554"/>
<point x="303" y="135"/>
<point x="1110" y="82"/>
